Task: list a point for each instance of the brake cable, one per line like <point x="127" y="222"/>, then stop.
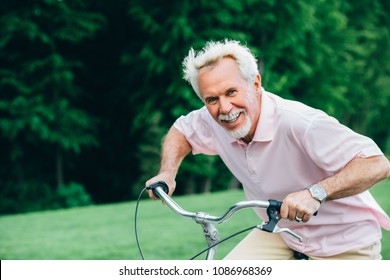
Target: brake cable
<point x="135" y="223"/>
<point x="223" y="240"/>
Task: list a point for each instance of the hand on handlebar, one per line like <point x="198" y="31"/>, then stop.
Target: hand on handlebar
<point x="299" y="206"/>
<point x="164" y="177"/>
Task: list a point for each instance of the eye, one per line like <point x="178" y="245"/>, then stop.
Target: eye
<point x="231" y="92"/>
<point x="211" y="100"/>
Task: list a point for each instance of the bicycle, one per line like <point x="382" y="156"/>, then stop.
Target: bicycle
<point x="160" y="189"/>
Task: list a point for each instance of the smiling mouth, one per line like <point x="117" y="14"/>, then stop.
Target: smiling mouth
<point x="236" y="130"/>
<point x="230" y="118"/>
<point x="233" y="119"/>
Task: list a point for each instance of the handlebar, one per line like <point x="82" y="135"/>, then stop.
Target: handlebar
<point x="160" y="189"/>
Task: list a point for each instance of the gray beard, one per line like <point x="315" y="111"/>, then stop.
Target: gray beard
<point x="243" y="131"/>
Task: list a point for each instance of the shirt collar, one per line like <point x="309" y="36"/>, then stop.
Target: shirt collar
<point x="265" y="126"/>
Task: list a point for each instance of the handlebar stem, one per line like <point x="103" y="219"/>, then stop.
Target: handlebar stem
<point x="210" y="233"/>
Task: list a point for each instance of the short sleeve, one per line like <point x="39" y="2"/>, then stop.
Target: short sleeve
<point x="197" y="128"/>
<point x="332" y="145"/>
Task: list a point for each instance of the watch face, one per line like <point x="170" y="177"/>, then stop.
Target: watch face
<point x="318" y="192"/>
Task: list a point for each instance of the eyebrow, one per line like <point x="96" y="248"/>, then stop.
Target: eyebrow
<point x="231" y="88"/>
<point x="209" y="98"/>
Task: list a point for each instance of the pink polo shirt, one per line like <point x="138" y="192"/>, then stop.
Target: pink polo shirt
<point x="295" y="146"/>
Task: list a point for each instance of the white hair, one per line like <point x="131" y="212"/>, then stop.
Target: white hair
<point x="214" y="52"/>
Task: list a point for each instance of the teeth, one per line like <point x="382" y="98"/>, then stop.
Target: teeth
<point x="232" y="117"/>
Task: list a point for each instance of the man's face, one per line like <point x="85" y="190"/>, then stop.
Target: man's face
<point x="230" y="99"/>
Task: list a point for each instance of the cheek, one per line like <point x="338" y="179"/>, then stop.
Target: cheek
<point x="252" y="104"/>
<point x="252" y="108"/>
<point x="214" y="112"/>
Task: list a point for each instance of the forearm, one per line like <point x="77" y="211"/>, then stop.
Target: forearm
<point x="175" y="148"/>
<point x="357" y="176"/>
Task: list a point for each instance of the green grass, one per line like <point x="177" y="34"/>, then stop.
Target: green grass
<point x="381" y="193"/>
<point x="106" y="232"/>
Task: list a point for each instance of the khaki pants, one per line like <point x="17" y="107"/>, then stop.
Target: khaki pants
<point x="261" y="245"/>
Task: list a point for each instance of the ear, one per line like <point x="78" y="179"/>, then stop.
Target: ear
<point x="257" y="83"/>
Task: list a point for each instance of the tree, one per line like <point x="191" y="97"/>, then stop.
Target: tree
<point x="39" y="95"/>
<point x="89" y="88"/>
<point x="370" y="83"/>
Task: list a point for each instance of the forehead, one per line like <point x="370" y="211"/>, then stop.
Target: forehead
<point x="215" y="67"/>
<point x="219" y="76"/>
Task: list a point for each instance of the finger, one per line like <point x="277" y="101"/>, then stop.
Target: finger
<point x="149" y="182"/>
<point x="305" y="218"/>
<point x="298" y="218"/>
<point x="284" y="211"/>
<point x="292" y="214"/>
<point x="151" y="193"/>
<point x="300" y="214"/>
<point x="152" y="196"/>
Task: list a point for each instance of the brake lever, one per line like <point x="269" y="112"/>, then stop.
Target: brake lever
<point x="273" y="218"/>
<point x="289" y="231"/>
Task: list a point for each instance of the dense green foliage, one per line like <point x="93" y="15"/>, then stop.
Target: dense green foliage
<point x="89" y="88"/>
<point x="106" y="232"/>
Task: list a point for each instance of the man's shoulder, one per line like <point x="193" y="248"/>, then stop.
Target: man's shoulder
<point x="293" y="110"/>
<point x="290" y="106"/>
<point x="200" y="114"/>
<point x="293" y="115"/>
<point x="198" y="118"/>
<point x="200" y="111"/>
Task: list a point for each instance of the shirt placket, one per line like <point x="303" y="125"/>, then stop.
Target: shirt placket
<point x="251" y="162"/>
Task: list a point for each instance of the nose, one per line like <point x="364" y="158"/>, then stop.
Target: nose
<point x="224" y="106"/>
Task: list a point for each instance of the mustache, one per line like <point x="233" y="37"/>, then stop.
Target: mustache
<point x="231" y="116"/>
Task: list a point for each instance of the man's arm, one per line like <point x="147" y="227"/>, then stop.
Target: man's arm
<point x="357" y="176"/>
<point x="175" y="148"/>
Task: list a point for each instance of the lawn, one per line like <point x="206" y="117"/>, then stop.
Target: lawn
<point x="106" y="232"/>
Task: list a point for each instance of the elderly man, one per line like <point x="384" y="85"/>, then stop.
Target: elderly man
<point x="283" y="150"/>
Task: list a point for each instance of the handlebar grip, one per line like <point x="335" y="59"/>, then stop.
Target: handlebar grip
<point x="275" y="204"/>
<point x="161" y="184"/>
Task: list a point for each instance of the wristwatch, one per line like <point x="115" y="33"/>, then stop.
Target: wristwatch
<point x="317" y="192"/>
